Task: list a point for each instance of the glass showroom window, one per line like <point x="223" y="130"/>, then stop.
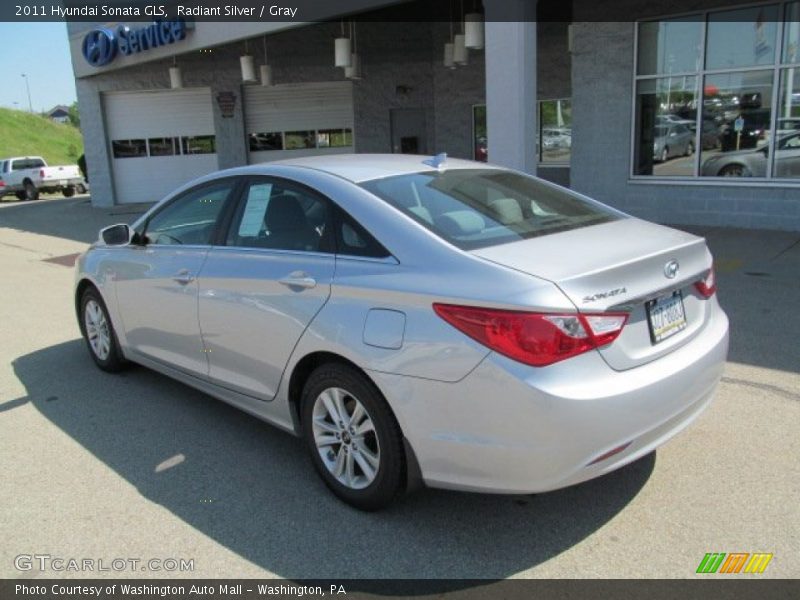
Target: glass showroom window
<point x="555" y="131"/>
<point x="480" y="150"/>
<point x="715" y="94"/>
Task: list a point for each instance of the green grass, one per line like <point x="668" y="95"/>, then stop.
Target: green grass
<point x="26" y="134"/>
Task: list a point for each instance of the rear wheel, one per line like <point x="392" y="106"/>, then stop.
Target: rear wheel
<point x="21" y="196"/>
<point x="99" y="333"/>
<point x="353" y="438"/>
<point x="31" y="193"/>
<point x="68" y="192"/>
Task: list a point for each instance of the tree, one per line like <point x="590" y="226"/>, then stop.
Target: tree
<point x="74" y="117"/>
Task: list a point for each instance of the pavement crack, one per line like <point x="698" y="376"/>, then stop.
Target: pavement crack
<point x="785" y="250"/>
<point x="766" y="387"/>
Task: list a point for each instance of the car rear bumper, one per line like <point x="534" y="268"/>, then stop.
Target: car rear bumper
<point x="510" y="428"/>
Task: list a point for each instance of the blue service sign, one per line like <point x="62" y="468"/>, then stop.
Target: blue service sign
<point x="101" y="45"/>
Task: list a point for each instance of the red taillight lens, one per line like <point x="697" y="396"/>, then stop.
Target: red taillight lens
<point x="41" y="173"/>
<point x="537" y="339"/>
<point x="708" y="285"/>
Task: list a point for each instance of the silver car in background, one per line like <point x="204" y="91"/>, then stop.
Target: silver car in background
<point x="436" y="321"/>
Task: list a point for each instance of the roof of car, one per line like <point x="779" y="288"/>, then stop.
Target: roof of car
<point x="363" y="167"/>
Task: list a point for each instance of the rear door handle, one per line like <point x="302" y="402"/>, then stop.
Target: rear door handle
<point x="183" y="277"/>
<point x="298" y="279"/>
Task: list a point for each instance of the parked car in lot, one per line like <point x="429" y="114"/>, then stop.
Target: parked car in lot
<point x="753" y="163"/>
<point x="28" y="176"/>
<point x="671" y="141"/>
<point x="438" y="320"/>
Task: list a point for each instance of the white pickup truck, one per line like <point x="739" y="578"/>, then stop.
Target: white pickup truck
<point x="27" y="176"/>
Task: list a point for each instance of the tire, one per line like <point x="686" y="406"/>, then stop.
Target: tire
<point x="80" y="188"/>
<point x="734" y="170"/>
<point x="31" y="193"/>
<point x="665" y="154"/>
<point x="68" y="192"/>
<point x="94" y="321"/>
<point x="365" y="470"/>
<point x="21" y="196"/>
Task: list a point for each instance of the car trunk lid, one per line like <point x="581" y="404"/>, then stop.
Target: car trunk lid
<point x="622" y="266"/>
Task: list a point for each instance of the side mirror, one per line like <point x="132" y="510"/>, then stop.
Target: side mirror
<point x="117" y="235"/>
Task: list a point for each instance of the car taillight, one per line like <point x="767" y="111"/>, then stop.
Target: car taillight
<point x="536" y="339"/>
<point x="708" y="285"/>
<point x="41" y="173"/>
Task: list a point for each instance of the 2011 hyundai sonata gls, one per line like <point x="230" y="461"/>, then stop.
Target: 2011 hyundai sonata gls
<point x="443" y="320"/>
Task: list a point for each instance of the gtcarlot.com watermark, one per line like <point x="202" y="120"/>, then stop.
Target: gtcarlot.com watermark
<point x="47" y="562"/>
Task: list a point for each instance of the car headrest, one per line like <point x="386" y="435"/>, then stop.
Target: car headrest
<point x="460" y="223"/>
<point x="284" y="213"/>
<point x="506" y="210"/>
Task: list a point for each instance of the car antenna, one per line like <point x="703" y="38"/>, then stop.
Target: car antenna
<point x="437" y="162"/>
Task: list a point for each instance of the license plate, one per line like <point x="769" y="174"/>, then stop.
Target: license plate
<point x="62" y="182"/>
<point x="666" y="316"/>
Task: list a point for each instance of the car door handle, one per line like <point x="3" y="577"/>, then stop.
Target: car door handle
<point x="298" y="279"/>
<point x="183" y="277"/>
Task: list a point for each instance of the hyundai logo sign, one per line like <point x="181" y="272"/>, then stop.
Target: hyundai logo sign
<point x="671" y="269"/>
<point x="101" y="45"/>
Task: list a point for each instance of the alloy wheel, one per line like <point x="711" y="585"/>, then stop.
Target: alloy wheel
<point x="97" y="330"/>
<point x="345" y="437"/>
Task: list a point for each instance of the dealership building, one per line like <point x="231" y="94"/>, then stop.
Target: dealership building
<point x="687" y="112"/>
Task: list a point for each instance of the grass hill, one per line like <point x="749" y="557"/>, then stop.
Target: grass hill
<point x="26" y="134"/>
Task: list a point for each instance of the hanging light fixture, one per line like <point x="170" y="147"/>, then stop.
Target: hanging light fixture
<point x="354" y="70"/>
<point x="266" y="70"/>
<point x="449" y="47"/>
<point x="460" y="54"/>
<point x="175" y="75"/>
<point x="248" y="65"/>
<point x="473" y="30"/>
<point x="342" y="50"/>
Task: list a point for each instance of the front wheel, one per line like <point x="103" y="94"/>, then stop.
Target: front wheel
<point x="735" y="170"/>
<point x="353" y="438"/>
<point x="99" y="333"/>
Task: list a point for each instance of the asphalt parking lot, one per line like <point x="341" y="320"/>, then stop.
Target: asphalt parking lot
<point x="138" y="466"/>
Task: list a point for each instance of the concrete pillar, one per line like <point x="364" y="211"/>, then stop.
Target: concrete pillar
<point x="511" y="83"/>
<point x="96" y="146"/>
<point x="229" y="130"/>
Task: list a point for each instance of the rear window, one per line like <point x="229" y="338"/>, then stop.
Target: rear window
<point x="476" y="208"/>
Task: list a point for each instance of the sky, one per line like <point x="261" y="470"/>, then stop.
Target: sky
<point x="41" y="51"/>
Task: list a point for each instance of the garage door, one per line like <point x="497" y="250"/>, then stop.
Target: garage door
<point x="285" y="121"/>
<point x="159" y="141"/>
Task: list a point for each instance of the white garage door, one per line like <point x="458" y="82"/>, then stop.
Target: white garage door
<point x="289" y="120"/>
<point x="159" y="141"/>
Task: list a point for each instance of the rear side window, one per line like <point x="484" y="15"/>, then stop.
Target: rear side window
<point x="476" y="208"/>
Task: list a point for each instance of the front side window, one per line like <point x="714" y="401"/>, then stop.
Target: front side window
<point x="191" y="218"/>
<point x="719" y="75"/>
<point x="274" y="215"/>
<point x="475" y="208"/>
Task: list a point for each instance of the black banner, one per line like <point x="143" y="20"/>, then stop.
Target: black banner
<point x="739" y="588"/>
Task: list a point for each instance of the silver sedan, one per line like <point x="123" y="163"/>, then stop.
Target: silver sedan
<point x="416" y="320"/>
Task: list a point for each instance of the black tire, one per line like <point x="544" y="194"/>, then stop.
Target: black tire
<point x="21" y="196"/>
<point x="114" y="361"/>
<point x="389" y="477"/>
<point x="734" y="170"/>
<point x="68" y="192"/>
<point x="31" y="193"/>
